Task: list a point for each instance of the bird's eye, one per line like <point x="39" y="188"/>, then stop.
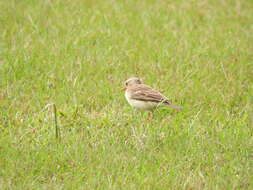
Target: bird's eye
<point x="126" y="83"/>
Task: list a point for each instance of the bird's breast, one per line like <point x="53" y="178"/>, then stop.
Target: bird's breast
<point x="139" y="104"/>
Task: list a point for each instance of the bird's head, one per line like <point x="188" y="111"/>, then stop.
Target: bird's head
<point x="132" y="81"/>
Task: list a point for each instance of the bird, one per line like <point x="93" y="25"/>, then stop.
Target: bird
<point x="143" y="97"/>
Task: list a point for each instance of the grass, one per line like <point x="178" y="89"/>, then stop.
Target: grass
<point x="76" y="55"/>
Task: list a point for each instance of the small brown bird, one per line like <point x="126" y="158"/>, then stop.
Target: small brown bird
<point x="143" y="97"/>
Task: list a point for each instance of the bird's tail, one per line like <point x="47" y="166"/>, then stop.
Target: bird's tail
<point x="173" y="106"/>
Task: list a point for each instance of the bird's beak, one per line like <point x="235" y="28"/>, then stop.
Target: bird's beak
<point x="123" y="89"/>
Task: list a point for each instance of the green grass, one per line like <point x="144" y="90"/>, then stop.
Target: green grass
<point x="77" y="54"/>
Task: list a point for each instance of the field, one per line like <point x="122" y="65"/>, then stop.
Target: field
<point x="77" y="54"/>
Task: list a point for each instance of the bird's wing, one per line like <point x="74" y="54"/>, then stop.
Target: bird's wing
<point x="145" y="93"/>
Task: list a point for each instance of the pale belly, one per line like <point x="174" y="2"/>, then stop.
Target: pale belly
<point x="141" y="105"/>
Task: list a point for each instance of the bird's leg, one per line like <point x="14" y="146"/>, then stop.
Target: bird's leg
<point x="136" y="113"/>
<point x="150" y="115"/>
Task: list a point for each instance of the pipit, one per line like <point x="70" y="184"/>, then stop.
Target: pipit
<point x="143" y="97"/>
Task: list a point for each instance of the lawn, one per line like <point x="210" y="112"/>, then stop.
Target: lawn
<point x="76" y="54"/>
